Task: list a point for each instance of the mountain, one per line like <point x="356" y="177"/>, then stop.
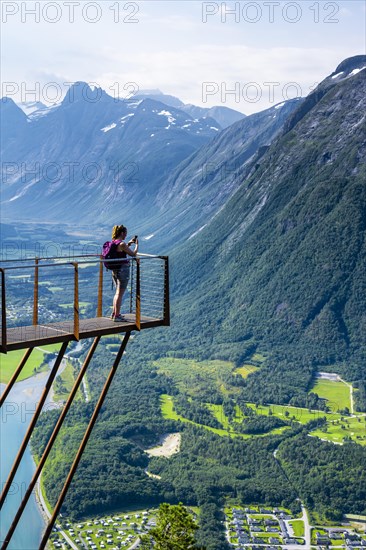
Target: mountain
<point x="13" y="121"/>
<point x="199" y="187"/>
<point x="95" y="152"/>
<point x="223" y="115"/>
<point x="281" y="267"/>
<point x="30" y="107"/>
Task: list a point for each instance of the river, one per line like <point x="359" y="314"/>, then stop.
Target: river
<point x="15" y="416"/>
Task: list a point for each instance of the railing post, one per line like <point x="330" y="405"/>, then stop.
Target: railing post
<point x="3" y="312"/>
<point x="131" y="290"/>
<point x="35" y="292"/>
<point x="76" y="300"/>
<point x="138" y="296"/>
<point x="166" y="292"/>
<point x="100" y="291"/>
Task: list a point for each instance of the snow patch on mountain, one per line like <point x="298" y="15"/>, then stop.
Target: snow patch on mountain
<point x="29" y="107"/>
<point x="134" y="104"/>
<point x="124" y="119"/>
<point x="43" y="112"/>
<point x="110" y="127"/>
<point x="337" y="75"/>
<point x="356" y="71"/>
<point x="196" y="232"/>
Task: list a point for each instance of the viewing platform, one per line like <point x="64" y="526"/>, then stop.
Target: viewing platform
<point x="50" y="300"/>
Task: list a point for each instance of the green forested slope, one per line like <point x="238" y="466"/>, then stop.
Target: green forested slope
<point x="282" y="266"/>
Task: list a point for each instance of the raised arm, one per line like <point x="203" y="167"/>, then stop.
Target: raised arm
<point x="123" y="247"/>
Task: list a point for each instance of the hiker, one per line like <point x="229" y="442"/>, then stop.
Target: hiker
<point x="121" y="274"/>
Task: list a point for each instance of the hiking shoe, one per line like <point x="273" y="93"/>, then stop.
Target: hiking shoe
<point x="119" y="319"/>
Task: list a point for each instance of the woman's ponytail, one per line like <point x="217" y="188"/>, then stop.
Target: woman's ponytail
<point x="117" y="230"/>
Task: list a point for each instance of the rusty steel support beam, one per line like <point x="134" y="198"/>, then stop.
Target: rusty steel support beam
<point x="13" y="379"/>
<point x="84" y="442"/>
<point x="3" y="312"/>
<point x="31" y="426"/>
<point x="50" y="443"/>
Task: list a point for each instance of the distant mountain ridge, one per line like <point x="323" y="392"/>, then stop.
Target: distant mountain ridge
<point x="90" y="151"/>
<point x="105" y="155"/>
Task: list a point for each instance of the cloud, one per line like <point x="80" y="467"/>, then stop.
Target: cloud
<point x="263" y="76"/>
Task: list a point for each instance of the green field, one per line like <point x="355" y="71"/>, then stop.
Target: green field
<point x="298" y="527"/>
<point x="191" y="376"/>
<point x="194" y="379"/>
<point x="82" y="306"/>
<point x="10" y="361"/>
<point x="258" y="358"/>
<point x="64" y="383"/>
<point x="167" y="409"/>
<point x="245" y="370"/>
<point x="336" y="393"/>
<point x="347" y="426"/>
<point x="353" y="427"/>
<point x="286" y="412"/>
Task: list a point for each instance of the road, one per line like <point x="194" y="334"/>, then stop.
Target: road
<point x="134" y="545"/>
<point x="307" y="527"/>
<point x="351" y="394"/>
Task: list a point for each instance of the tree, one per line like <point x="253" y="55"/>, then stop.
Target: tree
<point x="175" y="528"/>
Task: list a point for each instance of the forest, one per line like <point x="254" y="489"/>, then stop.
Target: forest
<point x="208" y="469"/>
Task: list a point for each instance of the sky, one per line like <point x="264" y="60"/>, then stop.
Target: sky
<point x="244" y="55"/>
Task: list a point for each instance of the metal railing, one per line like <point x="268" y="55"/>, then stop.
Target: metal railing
<point x="46" y="291"/>
<point x="38" y="289"/>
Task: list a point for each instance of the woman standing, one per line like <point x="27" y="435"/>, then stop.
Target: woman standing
<point x="122" y="273"/>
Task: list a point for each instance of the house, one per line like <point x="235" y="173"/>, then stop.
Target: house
<point x="252" y="521"/>
<point x="322" y="539"/>
<point x="270" y="522"/>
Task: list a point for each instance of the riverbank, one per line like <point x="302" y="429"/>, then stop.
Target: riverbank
<point x="16" y="415"/>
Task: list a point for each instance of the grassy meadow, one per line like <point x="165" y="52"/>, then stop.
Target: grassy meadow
<point x="10" y="361"/>
<point x="337" y="393"/>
